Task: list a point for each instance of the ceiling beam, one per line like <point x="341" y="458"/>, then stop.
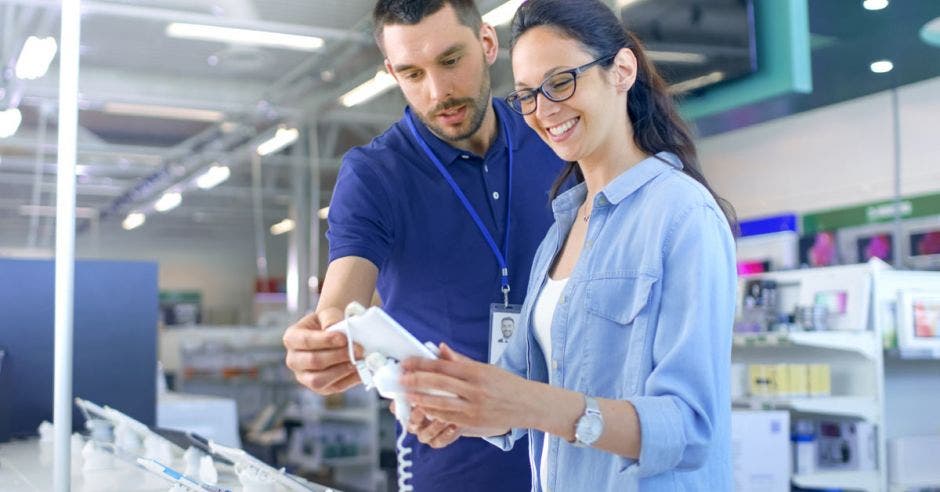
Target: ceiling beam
<point x="90" y="7"/>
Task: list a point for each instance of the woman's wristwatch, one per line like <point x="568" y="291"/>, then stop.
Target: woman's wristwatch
<point x="591" y="424"/>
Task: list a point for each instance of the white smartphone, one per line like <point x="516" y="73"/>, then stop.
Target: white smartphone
<point x="376" y="331"/>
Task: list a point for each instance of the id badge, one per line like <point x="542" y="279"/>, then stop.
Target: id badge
<point x="504" y="323"/>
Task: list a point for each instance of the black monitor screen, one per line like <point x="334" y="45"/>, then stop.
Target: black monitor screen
<point x="695" y="43"/>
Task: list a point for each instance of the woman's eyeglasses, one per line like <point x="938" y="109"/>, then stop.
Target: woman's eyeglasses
<point x="557" y="87"/>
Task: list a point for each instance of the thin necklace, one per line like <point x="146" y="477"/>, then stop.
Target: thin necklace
<point x="587" y="216"/>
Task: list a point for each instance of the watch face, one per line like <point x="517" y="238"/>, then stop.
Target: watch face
<point x="589" y="429"/>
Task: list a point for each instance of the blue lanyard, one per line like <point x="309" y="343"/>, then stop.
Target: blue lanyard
<point x="501" y="256"/>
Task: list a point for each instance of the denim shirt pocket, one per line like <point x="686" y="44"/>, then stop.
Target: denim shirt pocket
<point x="615" y="327"/>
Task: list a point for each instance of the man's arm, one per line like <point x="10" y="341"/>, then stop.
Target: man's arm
<point x="320" y="360"/>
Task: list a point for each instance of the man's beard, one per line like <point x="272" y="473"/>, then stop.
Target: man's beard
<point x="476" y="112"/>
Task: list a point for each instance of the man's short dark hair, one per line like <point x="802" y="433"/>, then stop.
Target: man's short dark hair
<point x="411" y="12"/>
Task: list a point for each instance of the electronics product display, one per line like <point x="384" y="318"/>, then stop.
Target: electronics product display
<point x="918" y="320"/>
<point x="845" y="445"/>
<point x="179" y="480"/>
<point x="254" y="471"/>
<point x="386" y="343"/>
<point x="128" y="432"/>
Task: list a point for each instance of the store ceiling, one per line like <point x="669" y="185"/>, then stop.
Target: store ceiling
<point x="240" y="94"/>
<point x="845" y="40"/>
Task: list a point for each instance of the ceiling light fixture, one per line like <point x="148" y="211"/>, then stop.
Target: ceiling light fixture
<point x="930" y="33"/>
<point x="10" y="122"/>
<point x="165" y="112"/>
<point x="282" y="138"/>
<point x="882" y="66"/>
<point x="323" y="213"/>
<point x="874" y="4"/>
<point x="624" y="3"/>
<point x="369" y="89"/>
<point x="503" y="13"/>
<point x="691" y="84"/>
<point x="215" y="175"/>
<point x="283" y="226"/>
<point x="35" y="58"/>
<point x="676" y="56"/>
<point x="204" y="32"/>
<point x="133" y="221"/>
<point x="50" y="211"/>
<point x="168" y="201"/>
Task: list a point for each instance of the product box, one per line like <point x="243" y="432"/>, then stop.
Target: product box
<point x="799" y="380"/>
<point x="846" y="445"/>
<point x="760" y="448"/>
<point x="819" y="380"/>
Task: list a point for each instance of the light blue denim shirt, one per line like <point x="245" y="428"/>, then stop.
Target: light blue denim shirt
<point x="646" y="317"/>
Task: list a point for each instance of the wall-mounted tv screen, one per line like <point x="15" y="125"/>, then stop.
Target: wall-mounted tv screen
<point x="695" y="43"/>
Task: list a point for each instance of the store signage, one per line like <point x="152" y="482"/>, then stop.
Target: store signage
<point x="872" y="213"/>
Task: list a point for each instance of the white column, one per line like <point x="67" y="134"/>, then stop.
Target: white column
<point x="65" y="240"/>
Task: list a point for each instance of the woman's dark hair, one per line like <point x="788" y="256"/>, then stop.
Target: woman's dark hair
<point x="657" y="125"/>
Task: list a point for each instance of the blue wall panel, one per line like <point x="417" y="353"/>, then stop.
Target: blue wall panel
<point x="116" y="308"/>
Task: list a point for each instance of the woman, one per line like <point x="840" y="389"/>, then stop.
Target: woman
<point x="620" y="372"/>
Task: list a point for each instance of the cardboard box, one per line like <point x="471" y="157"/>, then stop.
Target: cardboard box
<point x="760" y="451"/>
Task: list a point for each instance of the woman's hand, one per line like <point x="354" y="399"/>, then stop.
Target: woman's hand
<point x="488" y="399"/>
<point x="434" y="433"/>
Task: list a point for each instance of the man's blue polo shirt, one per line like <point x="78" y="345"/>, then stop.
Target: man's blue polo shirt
<point x="437" y="274"/>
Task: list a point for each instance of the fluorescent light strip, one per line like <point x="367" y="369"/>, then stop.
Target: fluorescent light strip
<point x="10" y="122"/>
<point x="676" y="57"/>
<point x="282" y="138"/>
<point x="624" y="3"/>
<point x="688" y="85"/>
<point x="283" y="226"/>
<point x="166" y="112"/>
<point x="203" y="32"/>
<point x="211" y="178"/>
<point x="369" y="89"/>
<point x="502" y="14"/>
<point x="133" y="221"/>
<point x="49" y="211"/>
<point x="168" y="201"/>
<point x="882" y="66"/>
<point x="35" y="58"/>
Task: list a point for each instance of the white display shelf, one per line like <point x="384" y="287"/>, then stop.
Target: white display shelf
<point x="864" y="342"/>
<point x="353" y="414"/>
<point x="907" y="487"/>
<point x="847" y="406"/>
<point x="914" y="354"/>
<point x="867" y="480"/>
<point x="349" y="461"/>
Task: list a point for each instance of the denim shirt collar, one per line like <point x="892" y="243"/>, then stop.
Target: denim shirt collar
<point x="619" y="188"/>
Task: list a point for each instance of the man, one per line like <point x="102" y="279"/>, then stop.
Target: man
<point x="438" y="260"/>
<point x="507" y="326"/>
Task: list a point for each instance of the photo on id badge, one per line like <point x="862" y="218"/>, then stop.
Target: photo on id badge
<point x="504" y="321"/>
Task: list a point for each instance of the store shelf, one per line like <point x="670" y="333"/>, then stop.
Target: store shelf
<point x="846" y="406"/>
<point x="865" y="342"/>
<point x="850" y="480"/>
<point x="354" y="414"/>
<point x="913" y="354"/>
<point x="349" y="461"/>
<point x="907" y="487"/>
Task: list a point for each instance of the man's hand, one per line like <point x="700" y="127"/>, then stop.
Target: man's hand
<point x="434" y="433"/>
<point x="320" y="359"/>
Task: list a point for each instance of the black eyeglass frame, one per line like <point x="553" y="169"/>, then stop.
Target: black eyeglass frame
<point x="575" y="72"/>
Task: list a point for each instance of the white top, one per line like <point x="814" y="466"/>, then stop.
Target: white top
<point x="544" y="311"/>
